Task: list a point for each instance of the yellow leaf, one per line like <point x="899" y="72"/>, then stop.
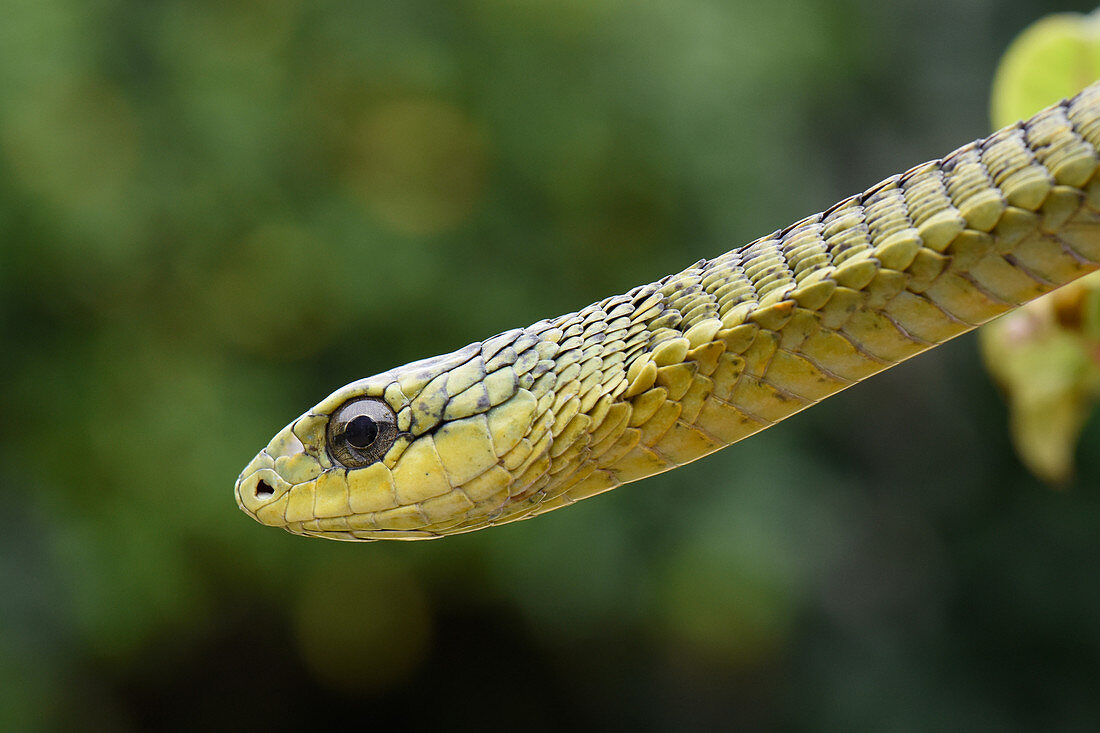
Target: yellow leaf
<point x="1052" y="59"/>
<point x="1045" y="355"/>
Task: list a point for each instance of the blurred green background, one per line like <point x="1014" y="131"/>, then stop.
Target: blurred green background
<point x="212" y="213"/>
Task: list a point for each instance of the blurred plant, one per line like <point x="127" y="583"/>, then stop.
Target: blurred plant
<point x="363" y="627"/>
<point x="1046" y="355"/>
<point x="418" y="164"/>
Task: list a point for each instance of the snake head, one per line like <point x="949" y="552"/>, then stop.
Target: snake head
<point x="435" y="447"/>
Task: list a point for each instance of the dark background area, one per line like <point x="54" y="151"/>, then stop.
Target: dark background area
<point x="214" y="213"/>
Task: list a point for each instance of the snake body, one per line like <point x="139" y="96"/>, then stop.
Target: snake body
<point x="541" y="417"/>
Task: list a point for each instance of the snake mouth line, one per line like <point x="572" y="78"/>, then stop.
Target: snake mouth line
<point x="366" y="535"/>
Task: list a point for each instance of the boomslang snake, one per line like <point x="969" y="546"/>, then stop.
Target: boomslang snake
<point x="538" y="418"/>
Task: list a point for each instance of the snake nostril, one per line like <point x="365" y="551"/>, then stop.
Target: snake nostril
<point x="263" y="491"/>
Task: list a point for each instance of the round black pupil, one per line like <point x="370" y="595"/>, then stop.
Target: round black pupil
<point x="361" y="432"/>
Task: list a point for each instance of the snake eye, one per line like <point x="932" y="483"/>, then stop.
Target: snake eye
<point x="361" y="431"/>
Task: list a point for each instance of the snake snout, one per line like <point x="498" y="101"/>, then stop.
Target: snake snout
<point x="263" y="494"/>
<point x="276" y="488"/>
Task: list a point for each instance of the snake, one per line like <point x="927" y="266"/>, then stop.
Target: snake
<point x="539" y="418"/>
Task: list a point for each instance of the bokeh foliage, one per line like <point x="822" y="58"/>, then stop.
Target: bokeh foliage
<point x="1047" y="354"/>
<point x="213" y="213"/>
